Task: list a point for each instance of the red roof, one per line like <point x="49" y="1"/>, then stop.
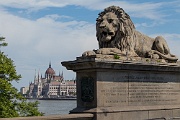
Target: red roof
<point x="50" y="71"/>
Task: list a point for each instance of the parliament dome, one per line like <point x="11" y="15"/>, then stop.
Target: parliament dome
<point x="50" y="71"/>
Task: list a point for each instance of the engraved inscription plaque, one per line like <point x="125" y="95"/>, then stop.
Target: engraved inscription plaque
<point x="139" y="89"/>
<point x="153" y="93"/>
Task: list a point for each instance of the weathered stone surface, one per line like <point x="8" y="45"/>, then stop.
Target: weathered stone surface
<point x="130" y="77"/>
<point x="114" y="89"/>
<point x="135" y="115"/>
<point x="133" y="93"/>
<point x="125" y="84"/>
<point x="116" y="35"/>
<point x="176" y="113"/>
<point x="167" y="114"/>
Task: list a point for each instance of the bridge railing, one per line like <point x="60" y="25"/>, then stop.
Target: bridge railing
<point x="55" y="117"/>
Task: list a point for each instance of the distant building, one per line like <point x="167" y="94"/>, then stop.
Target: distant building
<point x="50" y="86"/>
<point x="24" y="91"/>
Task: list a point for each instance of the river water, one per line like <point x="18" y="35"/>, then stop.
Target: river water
<point x="56" y="107"/>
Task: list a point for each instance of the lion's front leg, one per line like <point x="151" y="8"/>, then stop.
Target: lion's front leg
<point x="103" y="51"/>
<point x="161" y="45"/>
<point x="152" y="54"/>
<point x="109" y="51"/>
<point x="88" y="53"/>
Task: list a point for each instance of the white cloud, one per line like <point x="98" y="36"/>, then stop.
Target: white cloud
<point x="46" y="32"/>
<point x="33" y="43"/>
<point x="31" y="3"/>
<point x="146" y="10"/>
<point x="40" y="4"/>
<point x="146" y="24"/>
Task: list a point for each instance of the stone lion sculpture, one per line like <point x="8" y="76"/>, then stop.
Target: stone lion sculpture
<point x="116" y="34"/>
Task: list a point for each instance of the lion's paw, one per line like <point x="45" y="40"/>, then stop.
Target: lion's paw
<point x="155" y="56"/>
<point x="88" y="53"/>
<point x="104" y="51"/>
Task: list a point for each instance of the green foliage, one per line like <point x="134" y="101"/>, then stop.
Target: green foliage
<point x="12" y="103"/>
<point x="158" y="61"/>
<point x="147" y="60"/>
<point x="116" y="56"/>
<point x="28" y="109"/>
<point x="2" y="39"/>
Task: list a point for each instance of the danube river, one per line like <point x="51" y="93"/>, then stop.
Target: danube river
<point x="56" y="107"/>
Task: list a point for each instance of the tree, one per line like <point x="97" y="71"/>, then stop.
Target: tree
<point x="12" y="103"/>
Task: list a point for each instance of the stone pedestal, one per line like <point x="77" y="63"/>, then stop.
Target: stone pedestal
<point x="125" y="90"/>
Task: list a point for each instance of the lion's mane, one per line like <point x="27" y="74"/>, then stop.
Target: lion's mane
<point x="115" y="30"/>
<point x="123" y="39"/>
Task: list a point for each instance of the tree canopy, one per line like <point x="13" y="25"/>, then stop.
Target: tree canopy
<point x="12" y="103"/>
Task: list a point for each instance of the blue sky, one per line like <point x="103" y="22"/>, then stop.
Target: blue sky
<point x="40" y="31"/>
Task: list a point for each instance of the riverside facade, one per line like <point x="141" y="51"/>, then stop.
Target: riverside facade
<point x="50" y="86"/>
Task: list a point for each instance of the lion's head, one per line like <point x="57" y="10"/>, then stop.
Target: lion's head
<point x="114" y="29"/>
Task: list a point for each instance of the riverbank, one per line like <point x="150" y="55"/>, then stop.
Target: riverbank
<point x="60" y="98"/>
<point x="56" y="99"/>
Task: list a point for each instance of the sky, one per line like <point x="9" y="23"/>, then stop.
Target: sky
<point x="42" y="31"/>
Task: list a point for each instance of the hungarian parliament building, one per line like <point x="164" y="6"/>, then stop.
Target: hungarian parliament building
<point x="50" y="86"/>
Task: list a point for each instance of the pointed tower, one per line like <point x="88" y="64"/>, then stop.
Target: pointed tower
<point x="35" y="77"/>
<point x="59" y="74"/>
<point x="62" y="77"/>
<point x="50" y="64"/>
<point x="38" y="76"/>
<point x="62" y="74"/>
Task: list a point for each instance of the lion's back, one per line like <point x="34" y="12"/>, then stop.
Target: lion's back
<point x="143" y="43"/>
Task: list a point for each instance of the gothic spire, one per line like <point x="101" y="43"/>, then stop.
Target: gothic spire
<point x="50" y="64"/>
<point x="35" y="77"/>
<point x="59" y="73"/>
<point x="62" y="74"/>
<point x="38" y="75"/>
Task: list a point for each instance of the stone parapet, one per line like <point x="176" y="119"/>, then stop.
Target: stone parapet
<point x="110" y="88"/>
<point x="55" y="117"/>
<point x="92" y="62"/>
